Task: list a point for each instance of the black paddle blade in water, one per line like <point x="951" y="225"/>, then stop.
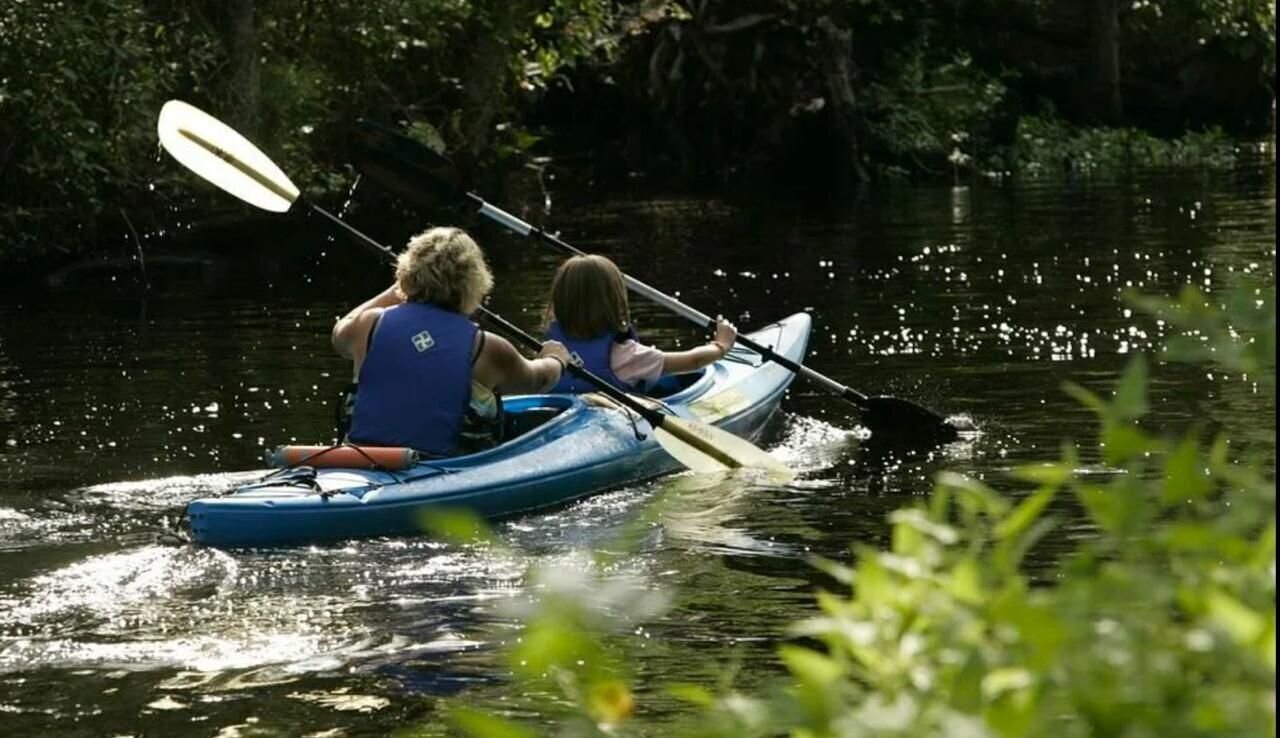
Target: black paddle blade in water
<point x="895" y="419"/>
<point x="400" y="165"/>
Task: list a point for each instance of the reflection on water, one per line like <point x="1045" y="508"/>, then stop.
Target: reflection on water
<point x="118" y="409"/>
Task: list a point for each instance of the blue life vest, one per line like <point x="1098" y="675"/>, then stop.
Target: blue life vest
<point x="415" y="384"/>
<point x="596" y="356"/>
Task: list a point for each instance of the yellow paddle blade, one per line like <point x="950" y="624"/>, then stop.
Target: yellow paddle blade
<point x="707" y="449"/>
<point x="215" y="151"/>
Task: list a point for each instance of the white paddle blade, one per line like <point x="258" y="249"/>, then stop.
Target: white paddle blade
<point x="215" y="151"/>
<point x="706" y="449"/>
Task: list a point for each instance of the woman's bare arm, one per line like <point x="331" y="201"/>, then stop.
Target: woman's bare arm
<point x="501" y="367"/>
<point x="351" y="332"/>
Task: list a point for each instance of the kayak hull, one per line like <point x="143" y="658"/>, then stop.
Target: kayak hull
<point x="584" y="449"/>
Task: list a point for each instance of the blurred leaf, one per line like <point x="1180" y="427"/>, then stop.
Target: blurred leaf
<point x="1086" y="398"/>
<point x="1011" y="551"/>
<point x="1026" y="513"/>
<point x="458" y="525"/>
<point x="1130" y="401"/>
<point x="1240" y="621"/>
<point x="1037" y="626"/>
<point x="810" y="667"/>
<point x="965" y="582"/>
<point x="692" y="693"/>
<point x="1185" y="476"/>
<point x="1123" y="441"/>
<point x="1013" y="713"/>
<point x="610" y="701"/>
<point x="555" y="641"/>
<point x="998" y="682"/>
<point x="1045" y="474"/>
<point x="833" y="569"/>
<point x="1109" y="507"/>
<point x="973" y="494"/>
<point x="916" y="519"/>
<point x="483" y="725"/>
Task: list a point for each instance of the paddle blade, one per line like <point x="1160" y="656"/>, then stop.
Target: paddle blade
<point x="895" y="419"/>
<point x="707" y="449"/>
<point x="215" y="151"/>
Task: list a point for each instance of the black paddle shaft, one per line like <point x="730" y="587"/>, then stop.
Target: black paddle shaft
<point x="512" y="331"/>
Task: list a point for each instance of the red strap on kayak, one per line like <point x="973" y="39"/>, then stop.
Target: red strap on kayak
<point x="349" y="456"/>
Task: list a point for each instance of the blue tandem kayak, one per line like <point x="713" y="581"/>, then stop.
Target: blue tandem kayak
<point x="573" y="448"/>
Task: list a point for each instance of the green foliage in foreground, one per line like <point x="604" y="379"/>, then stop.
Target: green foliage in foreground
<point x="1161" y="624"/>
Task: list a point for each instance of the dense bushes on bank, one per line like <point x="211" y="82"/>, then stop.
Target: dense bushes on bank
<point x="843" y="90"/>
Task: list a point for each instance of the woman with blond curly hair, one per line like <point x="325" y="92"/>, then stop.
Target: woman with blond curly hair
<point x="426" y="375"/>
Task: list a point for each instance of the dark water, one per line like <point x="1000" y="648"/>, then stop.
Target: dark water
<point x="118" y="406"/>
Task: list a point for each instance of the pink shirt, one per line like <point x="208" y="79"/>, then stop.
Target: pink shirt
<point x="632" y="362"/>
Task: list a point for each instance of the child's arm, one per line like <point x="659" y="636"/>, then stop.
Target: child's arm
<point x="682" y="362"/>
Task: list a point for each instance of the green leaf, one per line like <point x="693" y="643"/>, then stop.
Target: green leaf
<point x="556" y="641"/>
<point x="1264" y="552"/>
<point x="810" y="667"/>
<point x="966" y="690"/>
<point x="1244" y="624"/>
<point x="917" y="520"/>
<point x="1105" y="508"/>
<point x="833" y="569"/>
<point x="1185" y="477"/>
<point x="482" y="725"/>
<point x="1047" y="474"/>
<point x="1038" y="626"/>
<point x="1086" y="398"/>
<point x="1014" y="713"/>
<point x="965" y="582"/>
<point x="694" y="694"/>
<point x="972" y="494"/>
<point x="1130" y="400"/>
<point x="457" y="525"/>
<point x="1026" y="513"/>
<point x="1122" y="441"/>
<point x="998" y="682"/>
<point x="1011" y="551"/>
<point x="872" y="583"/>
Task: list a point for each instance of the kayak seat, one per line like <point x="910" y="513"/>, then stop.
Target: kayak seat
<point x="673" y="383"/>
<point x="527" y="419"/>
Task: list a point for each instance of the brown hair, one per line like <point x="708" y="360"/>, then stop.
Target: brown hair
<point x="443" y="266"/>
<point x="589" y="297"/>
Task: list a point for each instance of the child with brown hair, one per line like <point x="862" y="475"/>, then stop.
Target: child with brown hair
<point x="590" y="315"/>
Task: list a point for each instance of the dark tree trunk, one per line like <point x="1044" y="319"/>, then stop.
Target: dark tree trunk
<point x="837" y="69"/>
<point x="486" y="80"/>
<point x="244" y="85"/>
<point x="1105" y="37"/>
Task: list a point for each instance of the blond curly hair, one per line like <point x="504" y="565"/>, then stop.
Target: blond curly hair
<point x="445" y="267"/>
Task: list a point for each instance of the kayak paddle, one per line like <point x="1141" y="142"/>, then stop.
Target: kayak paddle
<point x="405" y="167"/>
<point x="219" y="154"/>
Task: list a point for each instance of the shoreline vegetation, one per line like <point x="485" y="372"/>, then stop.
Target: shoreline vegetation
<point x="710" y="93"/>
<point x="1160" y="623"/>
